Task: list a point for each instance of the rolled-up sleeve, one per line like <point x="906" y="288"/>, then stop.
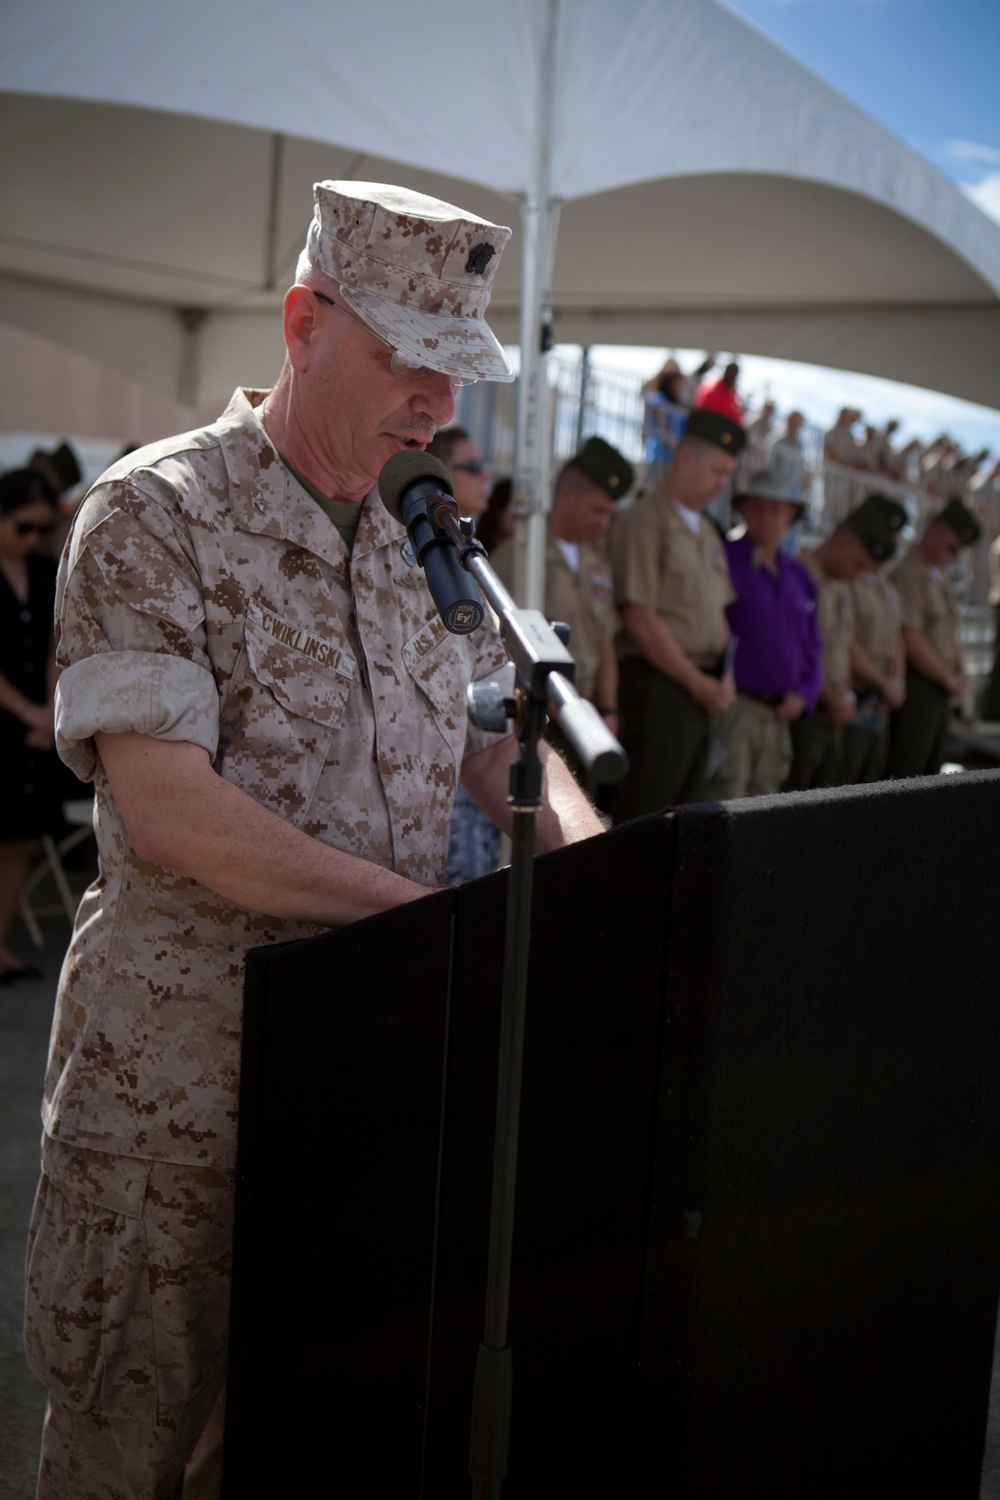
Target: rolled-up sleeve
<point x="130" y="630"/>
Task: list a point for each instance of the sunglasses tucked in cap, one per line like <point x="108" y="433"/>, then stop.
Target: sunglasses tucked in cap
<point x="417" y="271"/>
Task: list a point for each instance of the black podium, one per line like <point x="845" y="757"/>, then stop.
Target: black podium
<point x="757" y="1247"/>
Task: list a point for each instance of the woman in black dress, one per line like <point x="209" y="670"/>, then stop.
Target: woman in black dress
<point x="29" y="786"/>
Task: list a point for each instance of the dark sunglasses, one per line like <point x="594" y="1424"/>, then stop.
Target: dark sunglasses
<point x="474" y="466"/>
<point x="31" y="528"/>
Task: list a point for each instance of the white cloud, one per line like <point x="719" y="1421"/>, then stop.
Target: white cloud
<point x="982" y="155"/>
<point x="986" y="194"/>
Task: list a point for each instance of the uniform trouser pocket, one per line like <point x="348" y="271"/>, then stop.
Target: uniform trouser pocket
<point x="127" y="1300"/>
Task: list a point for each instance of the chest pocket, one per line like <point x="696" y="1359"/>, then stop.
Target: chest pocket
<point x="683" y="575"/>
<point x="438" y="664"/>
<point x="282" y="709"/>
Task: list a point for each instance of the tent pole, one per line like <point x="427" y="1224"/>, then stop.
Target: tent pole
<point x="192" y="320"/>
<point x="584" y="396"/>
<point x="492" y="1393"/>
<point x="539" y="222"/>
<point x="272" y="247"/>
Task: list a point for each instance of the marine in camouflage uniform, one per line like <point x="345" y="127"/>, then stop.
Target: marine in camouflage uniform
<point x="256" y="679"/>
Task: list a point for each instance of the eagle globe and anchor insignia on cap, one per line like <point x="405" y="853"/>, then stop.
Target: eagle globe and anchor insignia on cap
<point x="479" y="258"/>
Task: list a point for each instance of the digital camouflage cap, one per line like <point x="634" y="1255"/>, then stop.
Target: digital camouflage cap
<point x="417" y="271"/>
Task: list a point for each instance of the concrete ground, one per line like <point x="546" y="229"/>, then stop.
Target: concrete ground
<point x="25" y="1015"/>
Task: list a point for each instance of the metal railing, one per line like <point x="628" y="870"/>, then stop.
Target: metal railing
<point x="585" y="399"/>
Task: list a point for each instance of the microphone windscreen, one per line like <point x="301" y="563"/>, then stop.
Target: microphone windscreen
<point x="406" y="468"/>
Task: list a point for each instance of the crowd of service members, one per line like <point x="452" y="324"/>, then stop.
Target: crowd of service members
<point x="728" y="665"/>
<point x="746" y="670"/>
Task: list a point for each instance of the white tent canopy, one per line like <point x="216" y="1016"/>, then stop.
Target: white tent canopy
<point x="713" y="191"/>
<point x="709" y="190"/>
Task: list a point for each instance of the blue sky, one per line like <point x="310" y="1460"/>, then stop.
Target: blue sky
<point x="928" y="70"/>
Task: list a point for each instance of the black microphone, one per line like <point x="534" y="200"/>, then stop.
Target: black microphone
<point x="414" y="487"/>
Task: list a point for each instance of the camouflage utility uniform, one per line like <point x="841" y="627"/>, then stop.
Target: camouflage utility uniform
<point x="206" y="598"/>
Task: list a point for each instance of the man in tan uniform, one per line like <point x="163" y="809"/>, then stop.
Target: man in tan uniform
<point x="672" y="587"/>
<point x="878" y="664"/>
<point x="578" y="587"/>
<point x="866" y="538"/>
<point x="255" y="677"/>
<point x="934" y="674"/>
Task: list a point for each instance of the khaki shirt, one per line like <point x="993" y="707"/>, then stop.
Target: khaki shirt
<point x="836" y="625"/>
<point x="928" y="606"/>
<point x="204" y="597"/>
<point x="657" y="561"/>
<point x="584" y="601"/>
<point x="878" y="620"/>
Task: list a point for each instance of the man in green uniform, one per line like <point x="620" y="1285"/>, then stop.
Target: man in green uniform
<point x="934" y="675"/>
<point x="672" y="587"/>
<point x="864" y="539"/>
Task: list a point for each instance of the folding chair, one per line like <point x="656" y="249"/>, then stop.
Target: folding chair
<point x="80" y="816"/>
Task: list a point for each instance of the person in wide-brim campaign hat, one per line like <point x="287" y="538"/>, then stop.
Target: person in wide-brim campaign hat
<point x="778" y="647"/>
<point x="671" y="589"/>
<point x="863" y="540"/>
<point x="935" y="673"/>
